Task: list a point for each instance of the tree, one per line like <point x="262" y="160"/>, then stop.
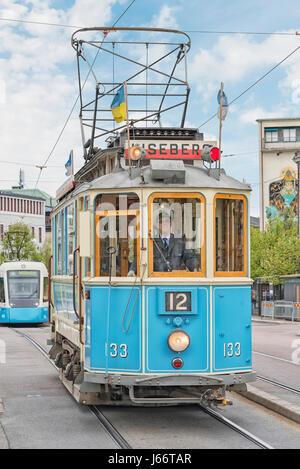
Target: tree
<point x="276" y="251"/>
<point x="43" y="254"/>
<point x="18" y="243"/>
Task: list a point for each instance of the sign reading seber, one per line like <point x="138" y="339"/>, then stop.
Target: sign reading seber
<point x="171" y="149"/>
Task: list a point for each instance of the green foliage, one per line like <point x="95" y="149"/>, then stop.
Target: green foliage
<point x="18" y="243"/>
<point x="276" y="251"/>
<point x="43" y="254"/>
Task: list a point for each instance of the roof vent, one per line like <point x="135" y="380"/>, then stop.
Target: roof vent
<point x="171" y="172"/>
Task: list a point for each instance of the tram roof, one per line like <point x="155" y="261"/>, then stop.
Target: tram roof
<point x="195" y="177"/>
<point x="23" y="265"/>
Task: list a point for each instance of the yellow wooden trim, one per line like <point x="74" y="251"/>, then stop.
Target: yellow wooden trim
<point x="98" y="215"/>
<point x="232" y="273"/>
<point x="103" y="213"/>
<point x="178" y="273"/>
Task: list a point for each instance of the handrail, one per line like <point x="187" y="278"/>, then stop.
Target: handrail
<point x="79" y="316"/>
<point x="74" y="274"/>
<point x="50" y="302"/>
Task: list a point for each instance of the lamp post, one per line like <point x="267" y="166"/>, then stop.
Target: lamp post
<point x="296" y="159"/>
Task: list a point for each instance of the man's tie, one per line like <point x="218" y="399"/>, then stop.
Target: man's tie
<point x="165" y="241"/>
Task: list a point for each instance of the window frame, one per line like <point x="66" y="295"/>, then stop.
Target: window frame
<point x="105" y="213"/>
<point x="177" y="273"/>
<point x="243" y="273"/>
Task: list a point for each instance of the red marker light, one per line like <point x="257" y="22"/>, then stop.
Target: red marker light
<point x="215" y="153"/>
<point x="210" y="153"/>
<point x="177" y="362"/>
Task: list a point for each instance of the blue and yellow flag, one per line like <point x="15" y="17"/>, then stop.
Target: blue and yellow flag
<point x="118" y="106"/>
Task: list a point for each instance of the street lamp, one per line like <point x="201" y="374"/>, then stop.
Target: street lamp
<point x="296" y="159"/>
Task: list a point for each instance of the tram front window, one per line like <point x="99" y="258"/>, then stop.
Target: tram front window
<point x="23" y="284"/>
<point x="177" y="234"/>
<point x="117" y="234"/>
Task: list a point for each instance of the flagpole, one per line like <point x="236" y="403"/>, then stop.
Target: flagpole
<point x="128" y="133"/>
<point x="72" y="163"/>
<point x="220" y="117"/>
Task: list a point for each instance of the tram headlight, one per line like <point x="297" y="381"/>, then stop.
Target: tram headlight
<point x="178" y="340"/>
<point x="136" y="152"/>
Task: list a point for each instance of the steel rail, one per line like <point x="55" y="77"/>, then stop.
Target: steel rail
<point x="279" y="385"/>
<point x="106" y="424"/>
<point x="277" y="358"/>
<point x="254" y="439"/>
<point x="112" y="431"/>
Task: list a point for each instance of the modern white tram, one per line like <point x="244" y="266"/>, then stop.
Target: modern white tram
<point x="23" y="292"/>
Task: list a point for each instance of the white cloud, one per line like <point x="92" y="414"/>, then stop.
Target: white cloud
<point x="165" y="18"/>
<point x="250" y="116"/>
<point x="38" y="86"/>
<point x="233" y="58"/>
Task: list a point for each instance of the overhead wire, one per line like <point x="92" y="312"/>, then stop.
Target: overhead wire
<point x="253" y="84"/>
<point x="199" y="31"/>
<point x="75" y="103"/>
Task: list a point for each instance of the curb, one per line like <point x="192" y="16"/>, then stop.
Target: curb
<point x="280" y="406"/>
<point x="271" y="321"/>
<point x="1" y="408"/>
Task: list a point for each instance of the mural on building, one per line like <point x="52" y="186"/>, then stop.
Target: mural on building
<point x="283" y="193"/>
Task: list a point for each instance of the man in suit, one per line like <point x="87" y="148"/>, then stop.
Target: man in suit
<point x="169" y="252"/>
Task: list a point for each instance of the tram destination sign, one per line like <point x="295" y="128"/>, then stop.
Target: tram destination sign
<point x="170" y="149"/>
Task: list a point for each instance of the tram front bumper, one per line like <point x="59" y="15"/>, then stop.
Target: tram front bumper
<point x="233" y="381"/>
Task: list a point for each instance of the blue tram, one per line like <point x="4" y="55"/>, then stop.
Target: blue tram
<point x="150" y="284"/>
<point x="23" y="292"/>
<point x="150" y="278"/>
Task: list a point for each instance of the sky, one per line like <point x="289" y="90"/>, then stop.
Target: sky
<point x="38" y="76"/>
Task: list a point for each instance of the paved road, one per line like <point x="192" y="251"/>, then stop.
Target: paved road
<point x="276" y="355"/>
<point x="39" y="413"/>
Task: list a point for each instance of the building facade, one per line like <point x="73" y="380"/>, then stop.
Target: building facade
<point x="20" y="208"/>
<point x="50" y="203"/>
<point x="279" y="140"/>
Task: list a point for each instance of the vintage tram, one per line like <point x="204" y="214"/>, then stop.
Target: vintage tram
<point x="150" y="283"/>
<point x="23" y="292"/>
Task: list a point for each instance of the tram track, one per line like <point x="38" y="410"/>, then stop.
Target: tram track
<point x="241" y="431"/>
<point x="104" y="421"/>
<point x="279" y="385"/>
<point x="119" y="439"/>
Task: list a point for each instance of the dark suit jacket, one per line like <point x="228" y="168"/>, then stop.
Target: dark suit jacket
<point x="174" y="255"/>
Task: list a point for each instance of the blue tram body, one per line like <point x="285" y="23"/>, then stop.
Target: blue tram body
<point x="115" y="332"/>
<point x="150" y="279"/>
<point x="23" y="292"/>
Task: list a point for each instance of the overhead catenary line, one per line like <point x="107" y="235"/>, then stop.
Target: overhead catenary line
<point x="253" y="84"/>
<point x="75" y="103"/>
<point x="296" y="33"/>
<point x="20" y="163"/>
<point x="199" y="31"/>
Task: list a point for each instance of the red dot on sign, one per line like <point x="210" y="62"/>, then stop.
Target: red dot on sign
<point x="215" y="153"/>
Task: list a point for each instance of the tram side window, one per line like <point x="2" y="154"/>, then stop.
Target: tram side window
<point x="230" y="226"/>
<point x="176" y="234"/>
<point x="117" y="232"/>
<point x="70" y="211"/>
<point x="2" y="295"/>
<point x="60" y="243"/>
<point x="45" y="289"/>
<point x="87" y="259"/>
